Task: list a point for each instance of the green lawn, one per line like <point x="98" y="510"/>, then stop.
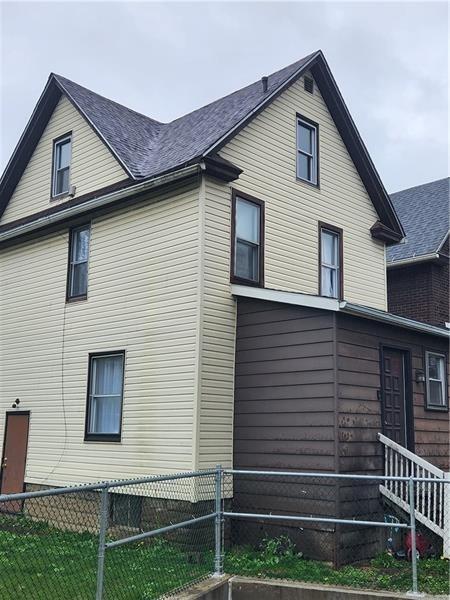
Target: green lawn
<point x="48" y="564"/>
<point x="277" y="559"/>
<point x="40" y="562"/>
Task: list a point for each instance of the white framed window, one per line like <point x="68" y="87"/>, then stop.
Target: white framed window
<point x="105" y="396"/>
<point x="77" y="277"/>
<point x="436" y="380"/>
<point x="62" y="155"/>
<point x="330" y="262"/>
<point x="307" y="151"/>
<point x="248" y="239"/>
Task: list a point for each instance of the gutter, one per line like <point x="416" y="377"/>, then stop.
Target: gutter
<point x="99" y="201"/>
<point x="391" y="319"/>
<point x="413" y="260"/>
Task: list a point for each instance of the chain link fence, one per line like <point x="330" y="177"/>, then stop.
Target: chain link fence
<point x="122" y="540"/>
<point x="148" y="538"/>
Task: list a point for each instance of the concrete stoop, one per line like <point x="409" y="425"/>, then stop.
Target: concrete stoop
<point x="246" y="588"/>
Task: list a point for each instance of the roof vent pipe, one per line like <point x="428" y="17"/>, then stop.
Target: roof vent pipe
<point x="265" y="83"/>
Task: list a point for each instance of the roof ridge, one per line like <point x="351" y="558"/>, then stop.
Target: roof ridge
<point x="136" y="112"/>
<point x="244" y="87"/>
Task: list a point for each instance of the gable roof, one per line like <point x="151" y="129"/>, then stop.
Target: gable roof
<point x="147" y="148"/>
<point x="424" y="213"/>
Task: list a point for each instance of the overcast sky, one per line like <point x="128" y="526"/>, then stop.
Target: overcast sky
<point x="165" y="59"/>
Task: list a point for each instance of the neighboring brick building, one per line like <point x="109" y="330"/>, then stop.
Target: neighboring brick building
<point x="418" y="268"/>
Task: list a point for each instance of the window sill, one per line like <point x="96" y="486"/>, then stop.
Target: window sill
<point x="240" y="281"/>
<point x="73" y="299"/>
<point x="443" y="409"/>
<point x="94" y="437"/>
<point x="310" y="183"/>
<point x="60" y="196"/>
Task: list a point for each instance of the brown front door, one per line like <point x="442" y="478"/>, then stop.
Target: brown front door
<point x="393" y="394"/>
<point x="14" y="456"/>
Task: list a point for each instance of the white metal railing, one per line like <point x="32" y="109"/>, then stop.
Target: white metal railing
<point x="432" y="498"/>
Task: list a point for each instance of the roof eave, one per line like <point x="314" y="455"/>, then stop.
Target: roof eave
<point x="63" y="212"/>
<point x="385" y="234"/>
<point x="75" y="104"/>
<point x="28" y="141"/>
<point x="391" y="319"/>
<point x="355" y="146"/>
<point x="414" y="260"/>
<point x="323" y="303"/>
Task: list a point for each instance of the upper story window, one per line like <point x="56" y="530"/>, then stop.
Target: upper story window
<point x="436" y="380"/>
<point x="307" y="150"/>
<point x="105" y="396"/>
<point x="330" y="259"/>
<point x="62" y="154"/>
<point x="77" y="276"/>
<point x="247" y="242"/>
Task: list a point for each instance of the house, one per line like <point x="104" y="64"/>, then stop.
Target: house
<point x="208" y="291"/>
<point x="418" y="281"/>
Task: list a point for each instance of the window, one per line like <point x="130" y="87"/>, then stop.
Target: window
<point x="77" y="278"/>
<point x="105" y="395"/>
<point x="307" y="151"/>
<point x="330" y="253"/>
<point x="436" y="380"/>
<point x="248" y="226"/>
<point x="62" y="151"/>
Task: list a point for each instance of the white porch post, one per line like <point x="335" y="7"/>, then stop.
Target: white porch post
<point x="446" y="496"/>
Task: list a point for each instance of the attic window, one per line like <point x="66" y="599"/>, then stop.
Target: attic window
<point x="309" y="85"/>
<point x="62" y="153"/>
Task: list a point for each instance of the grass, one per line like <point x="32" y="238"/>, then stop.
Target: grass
<point x="277" y="559"/>
<point x="38" y="561"/>
<point x="41" y="562"/>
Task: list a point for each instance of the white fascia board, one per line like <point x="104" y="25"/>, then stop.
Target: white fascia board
<point x="247" y="291"/>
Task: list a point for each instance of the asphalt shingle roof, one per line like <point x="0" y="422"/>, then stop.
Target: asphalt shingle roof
<point x="147" y="147"/>
<point x="424" y="213"/>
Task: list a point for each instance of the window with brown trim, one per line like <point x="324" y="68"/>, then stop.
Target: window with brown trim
<point x="105" y="396"/>
<point x="331" y="280"/>
<point x="436" y="381"/>
<point x="77" y="272"/>
<point x="307" y="150"/>
<point x="247" y="252"/>
<point x="62" y="156"/>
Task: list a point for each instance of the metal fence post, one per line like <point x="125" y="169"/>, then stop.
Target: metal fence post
<point x="103" y="527"/>
<point x="218" y="567"/>
<point x="412" y="529"/>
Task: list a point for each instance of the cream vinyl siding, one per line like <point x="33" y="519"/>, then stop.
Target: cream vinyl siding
<point x="92" y="166"/>
<point x="142" y="298"/>
<point x="266" y="150"/>
<point x="218" y="328"/>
